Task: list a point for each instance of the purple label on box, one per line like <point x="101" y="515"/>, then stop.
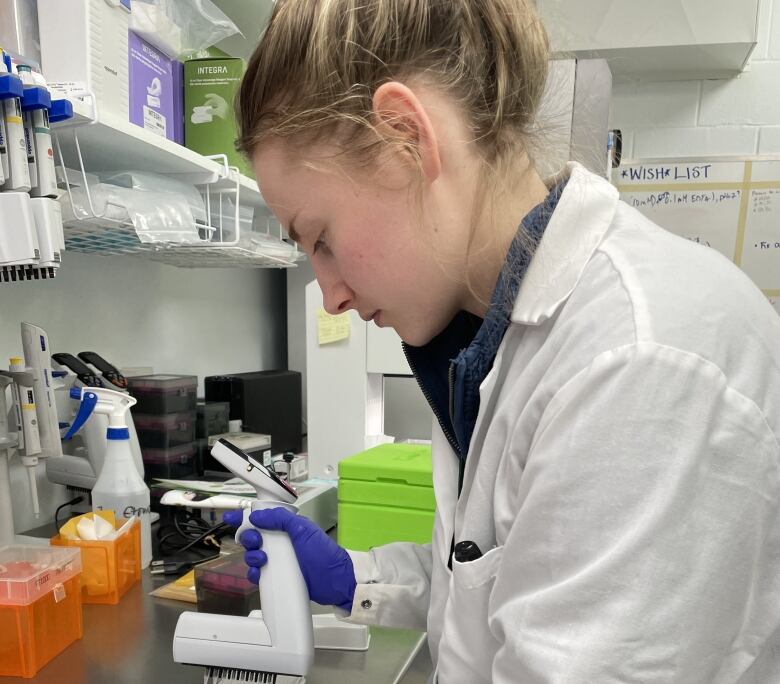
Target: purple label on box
<point x="155" y="90"/>
<point x="178" y="102"/>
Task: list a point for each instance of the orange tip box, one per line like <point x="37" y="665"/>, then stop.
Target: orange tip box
<point x="40" y="606"/>
<point x="109" y="568"/>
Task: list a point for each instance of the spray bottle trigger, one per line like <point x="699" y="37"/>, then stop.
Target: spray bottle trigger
<point x="88" y="402"/>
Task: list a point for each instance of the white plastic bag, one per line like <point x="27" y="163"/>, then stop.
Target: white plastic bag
<point x="179" y="27"/>
<point x="160" y="209"/>
<point x="157" y="183"/>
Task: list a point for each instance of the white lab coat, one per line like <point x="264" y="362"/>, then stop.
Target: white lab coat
<point x="622" y="477"/>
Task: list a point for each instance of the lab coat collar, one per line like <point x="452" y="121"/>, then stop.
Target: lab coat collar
<point x="584" y="214"/>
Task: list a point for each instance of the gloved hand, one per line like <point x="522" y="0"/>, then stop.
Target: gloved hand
<point x="326" y="567"/>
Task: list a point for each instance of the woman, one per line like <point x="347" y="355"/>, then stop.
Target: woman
<point x="607" y="395"/>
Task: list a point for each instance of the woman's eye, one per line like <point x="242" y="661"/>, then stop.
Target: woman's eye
<point x="320" y="245"/>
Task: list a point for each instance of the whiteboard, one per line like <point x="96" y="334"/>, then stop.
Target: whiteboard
<point x="731" y="206"/>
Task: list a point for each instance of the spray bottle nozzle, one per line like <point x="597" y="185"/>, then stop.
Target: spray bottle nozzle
<point x="103" y="401"/>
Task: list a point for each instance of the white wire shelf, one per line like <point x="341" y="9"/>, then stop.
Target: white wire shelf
<point x="111" y="238"/>
<point x="197" y="256"/>
<point x="102" y="236"/>
<point x="91" y="144"/>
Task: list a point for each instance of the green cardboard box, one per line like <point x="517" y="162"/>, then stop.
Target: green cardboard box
<point x="210" y="86"/>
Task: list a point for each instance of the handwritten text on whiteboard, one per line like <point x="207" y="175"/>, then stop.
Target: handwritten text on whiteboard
<point x="692" y="172"/>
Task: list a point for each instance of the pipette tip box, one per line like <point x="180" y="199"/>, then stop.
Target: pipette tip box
<point x="109" y="567"/>
<point x="171" y="464"/>
<point x="165" y="431"/>
<point x="221" y="586"/>
<point x="40" y="606"/>
<point x="163" y="393"/>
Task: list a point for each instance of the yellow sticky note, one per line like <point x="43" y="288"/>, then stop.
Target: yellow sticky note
<point x="331" y="328"/>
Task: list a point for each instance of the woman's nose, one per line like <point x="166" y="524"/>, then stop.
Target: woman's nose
<point x="336" y="298"/>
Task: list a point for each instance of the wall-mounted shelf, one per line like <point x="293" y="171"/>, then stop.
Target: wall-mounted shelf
<point x="93" y="144"/>
<point x="208" y="256"/>
<point x="663" y="40"/>
<point x="107" y="142"/>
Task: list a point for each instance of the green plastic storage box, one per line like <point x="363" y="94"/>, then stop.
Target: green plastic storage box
<point x="386" y="495"/>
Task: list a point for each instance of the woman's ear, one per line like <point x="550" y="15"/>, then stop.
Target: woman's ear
<point x="399" y="114"/>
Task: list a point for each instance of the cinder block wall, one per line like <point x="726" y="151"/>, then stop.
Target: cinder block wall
<point x="737" y="116"/>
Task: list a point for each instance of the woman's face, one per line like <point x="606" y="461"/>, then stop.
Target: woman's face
<point x="364" y="234"/>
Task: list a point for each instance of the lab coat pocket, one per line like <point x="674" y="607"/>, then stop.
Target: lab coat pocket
<point x="467" y="646"/>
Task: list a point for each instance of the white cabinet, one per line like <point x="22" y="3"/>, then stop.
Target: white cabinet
<point x="659" y="40"/>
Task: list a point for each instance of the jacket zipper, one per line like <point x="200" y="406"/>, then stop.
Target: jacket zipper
<point x="450" y="437"/>
<point x="451" y="385"/>
<point x="451" y="382"/>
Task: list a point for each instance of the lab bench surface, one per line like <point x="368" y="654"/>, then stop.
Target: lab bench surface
<point x="131" y="643"/>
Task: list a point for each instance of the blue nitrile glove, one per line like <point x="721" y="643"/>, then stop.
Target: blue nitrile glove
<point x="326" y="567"/>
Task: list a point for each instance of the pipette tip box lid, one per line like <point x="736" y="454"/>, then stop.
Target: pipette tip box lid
<point x="386" y="495"/>
<point x="163" y="393"/>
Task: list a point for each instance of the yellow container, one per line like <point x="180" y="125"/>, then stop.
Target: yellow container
<point x="40" y="606"/>
<point x="109" y="568"/>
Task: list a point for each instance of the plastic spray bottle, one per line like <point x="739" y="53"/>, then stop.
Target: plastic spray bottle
<point x="118" y="487"/>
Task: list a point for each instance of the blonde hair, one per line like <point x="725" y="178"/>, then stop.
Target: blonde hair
<point x="319" y="62"/>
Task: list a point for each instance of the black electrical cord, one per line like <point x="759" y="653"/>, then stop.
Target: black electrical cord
<point x="190" y="532"/>
<point x="176" y="567"/>
<point x="74" y="500"/>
